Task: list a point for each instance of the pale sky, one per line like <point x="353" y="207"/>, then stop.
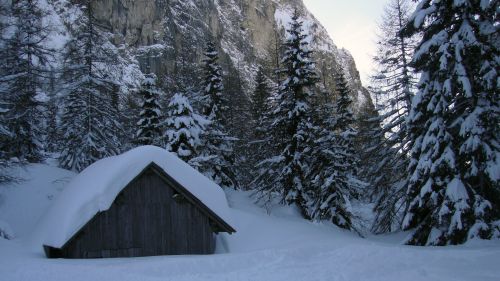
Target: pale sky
<point x="352" y="25"/>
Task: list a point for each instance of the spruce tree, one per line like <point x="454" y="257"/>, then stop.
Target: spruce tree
<point x="334" y="162"/>
<point x="52" y="139"/>
<point x="186" y="73"/>
<point x="345" y="119"/>
<point x="149" y="129"/>
<point x="453" y="192"/>
<point x="285" y="173"/>
<point x="183" y="128"/>
<point x="261" y="136"/>
<point x="395" y="85"/>
<point x="90" y="120"/>
<point x="216" y="158"/>
<point x="272" y="61"/>
<point x="258" y="141"/>
<point x="260" y="100"/>
<point x="5" y="134"/>
<point x="368" y="142"/>
<point x="214" y="102"/>
<point x="24" y="70"/>
<point x="238" y="122"/>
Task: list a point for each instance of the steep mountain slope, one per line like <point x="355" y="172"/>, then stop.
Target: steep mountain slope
<point x="168" y="35"/>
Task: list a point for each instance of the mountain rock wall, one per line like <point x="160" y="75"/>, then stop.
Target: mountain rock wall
<point x="158" y="32"/>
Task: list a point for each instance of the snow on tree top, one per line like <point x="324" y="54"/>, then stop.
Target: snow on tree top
<point x="181" y="102"/>
<point x="149" y="80"/>
<point x="96" y="187"/>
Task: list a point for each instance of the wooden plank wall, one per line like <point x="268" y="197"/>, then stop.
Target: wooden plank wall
<point x="144" y="220"/>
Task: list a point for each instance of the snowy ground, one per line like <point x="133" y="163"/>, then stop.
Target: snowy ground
<point x="280" y="246"/>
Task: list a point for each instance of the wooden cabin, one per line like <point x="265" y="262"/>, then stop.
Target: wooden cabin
<point x="152" y="215"/>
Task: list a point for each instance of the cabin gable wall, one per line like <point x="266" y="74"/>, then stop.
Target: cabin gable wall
<point x="144" y="220"/>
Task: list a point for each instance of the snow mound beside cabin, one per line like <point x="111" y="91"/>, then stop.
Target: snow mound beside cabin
<point x="96" y="187"/>
<point x="22" y="203"/>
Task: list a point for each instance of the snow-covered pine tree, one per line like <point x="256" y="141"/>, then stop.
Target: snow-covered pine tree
<point x="5" y="134"/>
<point x="333" y="162"/>
<point x="238" y="116"/>
<point x="4" y="13"/>
<point x="453" y="192"/>
<point x="214" y="101"/>
<point x="273" y="61"/>
<point x="368" y="140"/>
<point x="90" y="119"/>
<point x="261" y="139"/>
<point x="344" y="122"/>
<point x="183" y="128"/>
<point x="186" y="73"/>
<point x="52" y="137"/>
<point x="258" y="138"/>
<point x="260" y="103"/>
<point x="395" y="84"/>
<point x="5" y="137"/>
<point x="24" y="70"/>
<point x="149" y="130"/>
<point x="285" y="174"/>
<point x="216" y="156"/>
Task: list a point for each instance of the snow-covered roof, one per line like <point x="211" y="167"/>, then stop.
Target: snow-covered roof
<point x="96" y="187"/>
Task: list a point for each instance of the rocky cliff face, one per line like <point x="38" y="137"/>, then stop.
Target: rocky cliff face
<point x="159" y="32"/>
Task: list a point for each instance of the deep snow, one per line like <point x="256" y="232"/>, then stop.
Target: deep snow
<point x="279" y="246"/>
